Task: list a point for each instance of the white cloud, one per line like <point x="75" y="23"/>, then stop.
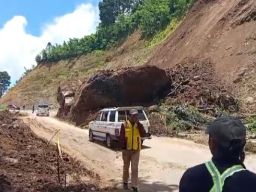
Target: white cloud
<point x="82" y="21"/>
<point x="18" y="48"/>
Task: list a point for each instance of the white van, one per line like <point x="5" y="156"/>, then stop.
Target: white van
<point x="108" y="123"/>
<point x="43" y="110"/>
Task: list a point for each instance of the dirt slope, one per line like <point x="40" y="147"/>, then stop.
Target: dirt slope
<point x="29" y="164"/>
<point x="223" y="31"/>
<point x="43" y="81"/>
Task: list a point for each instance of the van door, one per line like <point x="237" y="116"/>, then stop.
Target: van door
<point x="143" y="120"/>
<point x="102" y="125"/>
<point x="121" y="118"/>
<point x="111" y="123"/>
<point x="96" y="124"/>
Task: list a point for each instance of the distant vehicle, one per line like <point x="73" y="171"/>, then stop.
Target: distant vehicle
<point x="108" y="123"/>
<point x="13" y="107"/>
<point x="43" y="110"/>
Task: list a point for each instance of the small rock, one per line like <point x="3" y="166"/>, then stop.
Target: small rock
<point x="39" y="180"/>
<point x="196" y="78"/>
<point x="33" y="155"/>
<point x="241" y="73"/>
<point x="253" y="136"/>
<point x="11" y="160"/>
<point x="19" y="175"/>
<point x="153" y="108"/>
<point x="237" y="80"/>
<point x="66" y="159"/>
<point x="249" y="100"/>
<point x="10" y="127"/>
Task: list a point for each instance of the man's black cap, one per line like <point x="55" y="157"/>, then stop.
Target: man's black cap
<point x="227" y="129"/>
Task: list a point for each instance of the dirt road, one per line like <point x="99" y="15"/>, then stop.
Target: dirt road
<point x="163" y="160"/>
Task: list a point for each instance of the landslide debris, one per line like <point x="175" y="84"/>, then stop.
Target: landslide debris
<point x="28" y="163"/>
<point x="65" y="98"/>
<point x="192" y="83"/>
<point x="222" y="31"/>
<point x="126" y="87"/>
<point x="195" y="83"/>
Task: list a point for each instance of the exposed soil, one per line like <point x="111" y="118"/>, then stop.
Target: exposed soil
<point x="222" y="32"/>
<point x="191" y="83"/>
<point x="163" y="160"/>
<point x="194" y="82"/>
<point x="127" y="87"/>
<point x="28" y="163"/>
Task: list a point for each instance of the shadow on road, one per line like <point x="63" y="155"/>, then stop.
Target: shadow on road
<point x="71" y="188"/>
<point x="157" y="187"/>
<point x="116" y="146"/>
<point x="146" y="186"/>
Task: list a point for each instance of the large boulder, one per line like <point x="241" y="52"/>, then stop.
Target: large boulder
<point x="65" y="98"/>
<point x="131" y="86"/>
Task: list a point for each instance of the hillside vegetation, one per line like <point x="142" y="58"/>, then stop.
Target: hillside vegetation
<point x="119" y="19"/>
<point x="129" y="39"/>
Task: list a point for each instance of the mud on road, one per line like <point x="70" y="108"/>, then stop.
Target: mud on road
<point x="29" y="164"/>
<point x="163" y="160"/>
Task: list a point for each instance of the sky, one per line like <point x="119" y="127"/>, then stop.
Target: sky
<point x="26" y="26"/>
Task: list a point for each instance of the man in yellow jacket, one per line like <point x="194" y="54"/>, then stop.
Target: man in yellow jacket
<point x="130" y="139"/>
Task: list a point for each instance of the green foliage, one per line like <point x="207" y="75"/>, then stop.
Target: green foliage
<point x="3" y="107"/>
<point x="153" y="16"/>
<point x="160" y="37"/>
<point x="251" y="124"/>
<point x="110" y="10"/>
<point x="4" y="82"/>
<point x="182" y="118"/>
<point x="119" y="18"/>
<point x="179" y="7"/>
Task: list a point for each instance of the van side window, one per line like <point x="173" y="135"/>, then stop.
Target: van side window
<point x="104" y="116"/>
<point x="141" y="115"/>
<point x="112" y="116"/>
<point x="98" y="117"/>
<point x="121" y="116"/>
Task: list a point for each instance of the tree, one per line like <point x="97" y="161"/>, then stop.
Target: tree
<point x="111" y="9"/>
<point x="38" y="59"/>
<point x="153" y="16"/>
<point x="4" y="82"/>
<point x="178" y="7"/>
<point x="119" y="18"/>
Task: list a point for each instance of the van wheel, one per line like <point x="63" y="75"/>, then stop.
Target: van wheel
<point x="91" y="136"/>
<point x="109" y="141"/>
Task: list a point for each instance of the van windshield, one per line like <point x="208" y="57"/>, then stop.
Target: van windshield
<point x="122" y="115"/>
<point x="42" y="106"/>
<point x="141" y="115"/>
